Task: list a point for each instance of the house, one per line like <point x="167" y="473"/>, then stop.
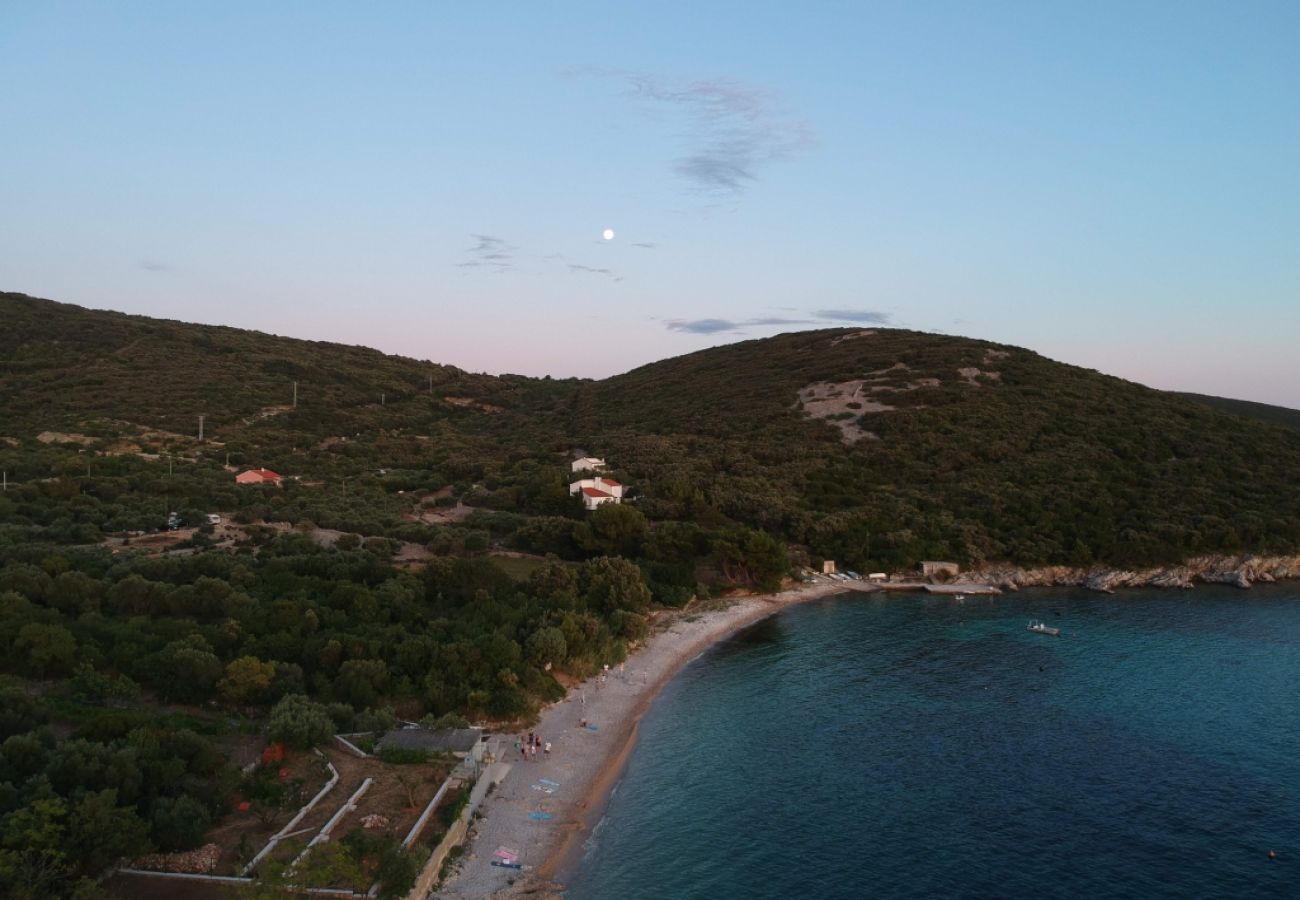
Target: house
<point x="588" y="464"/>
<point x="597" y="491"/>
<point x="828" y="567"/>
<point x="259" y="476"/>
<point x="461" y="742"/>
<point x="941" y="571"/>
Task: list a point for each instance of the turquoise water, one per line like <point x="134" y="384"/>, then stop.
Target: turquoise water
<point x="868" y="746"/>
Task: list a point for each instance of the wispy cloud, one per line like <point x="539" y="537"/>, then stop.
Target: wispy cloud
<point x="738" y="326"/>
<point x="576" y="267"/>
<point x="489" y="252"/>
<point x="647" y="245"/>
<point x="716" y="326"/>
<point x="732" y="129"/>
<point x="871" y="316"/>
<point x="153" y="266"/>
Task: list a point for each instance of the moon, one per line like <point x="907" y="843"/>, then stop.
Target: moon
<point x="608" y="234"/>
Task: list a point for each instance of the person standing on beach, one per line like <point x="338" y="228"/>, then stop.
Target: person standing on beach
<point x="547" y="751"/>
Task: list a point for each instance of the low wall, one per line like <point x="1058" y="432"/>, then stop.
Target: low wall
<point x="428" y="878"/>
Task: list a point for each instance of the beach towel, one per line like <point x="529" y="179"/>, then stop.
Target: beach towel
<point x="548" y="781"/>
<point x="593" y="728"/>
<point x="540" y="816"/>
<point x="507" y="854"/>
<point x="507" y="865"/>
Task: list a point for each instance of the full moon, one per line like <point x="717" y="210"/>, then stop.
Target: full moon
<point x="608" y="234"/>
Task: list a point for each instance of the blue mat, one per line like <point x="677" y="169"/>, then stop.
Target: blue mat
<point x="540" y="816"/>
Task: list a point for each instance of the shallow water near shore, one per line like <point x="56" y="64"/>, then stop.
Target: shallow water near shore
<point x="906" y="746"/>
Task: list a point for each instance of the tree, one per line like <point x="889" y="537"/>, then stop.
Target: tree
<point x="246" y="681"/>
<point x="750" y="556"/>
<point x="180" y="823"/>
<point x="614" y="583"/>
<point x="546" y="646"/>
<point x="299" y="722"/>
<point x="614" y="530"/>
<point x="360" y="681"/>
<point x="48" y="649"/>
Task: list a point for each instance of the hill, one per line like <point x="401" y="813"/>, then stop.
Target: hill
<point x="882" y="447"/>
<point x="1264" y="412"/>
<point x="875" y="447"/>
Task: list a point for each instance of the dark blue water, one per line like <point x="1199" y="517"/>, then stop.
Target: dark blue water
<point x="921" y="747"/>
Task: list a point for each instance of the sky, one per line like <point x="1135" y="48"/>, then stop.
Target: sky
<point x="1112" y="184"/>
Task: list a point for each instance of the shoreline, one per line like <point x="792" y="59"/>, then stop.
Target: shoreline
<point x="588" y="764"/>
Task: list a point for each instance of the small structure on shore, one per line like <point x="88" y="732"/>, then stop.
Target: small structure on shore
<point x="460" y="742"/>
<point x="939" y="571"/>
<point x="828" y="567"/>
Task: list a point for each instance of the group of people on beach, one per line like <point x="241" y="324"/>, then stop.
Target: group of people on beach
<point x="528" y="749"/>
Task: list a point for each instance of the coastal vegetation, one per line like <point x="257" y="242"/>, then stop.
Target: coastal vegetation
<point x="423" y="556"/>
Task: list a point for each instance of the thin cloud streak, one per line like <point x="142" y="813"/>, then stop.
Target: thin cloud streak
<point x="738" y="326"/>
<point x="716" y="326"/>
<point x="489" y="252"/>
<point x="870" y="316"/>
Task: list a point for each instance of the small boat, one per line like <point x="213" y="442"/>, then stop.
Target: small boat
<point x="959" y="597"/>
<point x="1044" y="628"/>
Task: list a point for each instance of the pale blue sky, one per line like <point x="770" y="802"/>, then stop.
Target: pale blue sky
<point x="1115" y="185"/>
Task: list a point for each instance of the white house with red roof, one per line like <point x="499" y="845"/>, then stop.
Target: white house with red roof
<point x="597" y="491"/>
<point x="259" y="476"/>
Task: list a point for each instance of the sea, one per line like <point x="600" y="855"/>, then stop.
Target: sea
<point x="881" y="746"/>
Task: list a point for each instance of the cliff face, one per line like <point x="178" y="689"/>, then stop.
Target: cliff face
<point x="1240" y="571"/>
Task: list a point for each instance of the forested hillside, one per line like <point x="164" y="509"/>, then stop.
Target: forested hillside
<point x="943" y="447"/>
<point x="422" y="556"/>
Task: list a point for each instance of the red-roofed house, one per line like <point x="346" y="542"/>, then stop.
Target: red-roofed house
<point x="258" y="476"/>
<point x="597" y="491"/>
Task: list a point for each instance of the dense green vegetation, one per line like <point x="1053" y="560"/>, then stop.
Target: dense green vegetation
<point x="1042" y="463"/>
<point x="423" y="557"/>
<point x="1264" y="412"/>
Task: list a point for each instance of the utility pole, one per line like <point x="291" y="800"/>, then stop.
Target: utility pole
<point x="200" y="429"/>
<point x="295" y="395"/>
<point x="4" y="482"/>
<point x="381" y="399"/>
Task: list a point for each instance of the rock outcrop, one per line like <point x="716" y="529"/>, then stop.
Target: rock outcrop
<point x="1239" y="571"/>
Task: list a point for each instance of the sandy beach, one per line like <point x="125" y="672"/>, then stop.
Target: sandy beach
<point x="543" y="808"/>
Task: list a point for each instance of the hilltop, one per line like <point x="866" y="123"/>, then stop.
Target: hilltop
<point x="884" y="446"/>
<point x="876" y="447"/>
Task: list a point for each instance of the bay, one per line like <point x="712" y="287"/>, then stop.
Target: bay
<point x="906" y="746"/>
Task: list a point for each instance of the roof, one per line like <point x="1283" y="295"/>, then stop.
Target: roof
<point x="262" y="474"/>
<point x="593" y="492"/>
<point x="609" y="481"/>
<point x="445" y="740"/>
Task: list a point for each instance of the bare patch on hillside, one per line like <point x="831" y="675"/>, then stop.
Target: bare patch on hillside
<point x="972" y="375"/>
<point x="471" y="403"/>
<point x="853" y="336"/>
<point x="63" y="437"/>
<point x="840" y="404"/>
<point x="267" y="411"/>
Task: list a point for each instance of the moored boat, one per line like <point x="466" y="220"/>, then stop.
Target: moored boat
<point x="1044" y="628"/>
